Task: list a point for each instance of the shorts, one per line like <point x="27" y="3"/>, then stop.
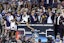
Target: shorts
<point x="7" y="28"/>
<point x="12" y="31"/>
<point x="13" y="27"/>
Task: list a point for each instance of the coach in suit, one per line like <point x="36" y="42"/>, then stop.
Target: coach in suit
<point x="58" y="25"/>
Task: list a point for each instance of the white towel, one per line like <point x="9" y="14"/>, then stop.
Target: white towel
<point x="58" y="20"/>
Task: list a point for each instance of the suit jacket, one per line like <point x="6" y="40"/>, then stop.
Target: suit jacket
<point x="32" y="19"/>
<point x="61" y="22"/>
<point x="60" y="25"/>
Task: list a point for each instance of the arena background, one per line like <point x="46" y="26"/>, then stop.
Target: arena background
<point x="46" y="30"/>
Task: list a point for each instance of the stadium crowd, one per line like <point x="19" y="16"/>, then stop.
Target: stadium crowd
<point x="14" y="12"/>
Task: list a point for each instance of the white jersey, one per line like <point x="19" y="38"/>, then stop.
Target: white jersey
<point x="9" y="19"/>
<point x="13" y="26"/>
<point x="25" y="18"/>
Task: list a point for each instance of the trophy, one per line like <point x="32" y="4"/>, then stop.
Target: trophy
<point x="35" y="34"/>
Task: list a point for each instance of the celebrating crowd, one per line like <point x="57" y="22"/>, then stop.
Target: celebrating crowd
<point x="30" y="11"/>
<point x="14" y="12"/>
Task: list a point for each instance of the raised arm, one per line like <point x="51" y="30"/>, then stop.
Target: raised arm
<point x="27" y="24"/>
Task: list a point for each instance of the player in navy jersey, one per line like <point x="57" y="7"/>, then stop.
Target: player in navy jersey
<point x="7" y="22"/>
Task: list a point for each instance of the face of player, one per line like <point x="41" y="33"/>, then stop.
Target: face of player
<point x="49" y="10"/>
<point x="32" y="13"/>
<point x="41" y="11"/>
<point x="25" y="13"/>
<point x="9" y="14"/>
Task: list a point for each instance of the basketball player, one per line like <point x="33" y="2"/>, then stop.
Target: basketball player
<point x="7" y="22"/>
<point x="13" y="27"/>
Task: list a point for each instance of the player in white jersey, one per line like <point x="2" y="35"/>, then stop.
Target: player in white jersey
<point x="13" y="27"/>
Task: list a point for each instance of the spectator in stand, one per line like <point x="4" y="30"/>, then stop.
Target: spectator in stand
<point x="28" y="4"/>
<point x="39" y="41"/>
<point x="14" y="6"/>
<point x="1" y="7"/>
<point x="63" y="3"/>
<point x="20" y="3"/>
<point x="41" y="2"/>
<point x="58" y="9"/>
<point x="55" y="3"/>
<point x="24" y="39"/>
<point x="13" y="40"/>
<point x="4" y="9"/>
<point x="20" y="39"/>
<point x="34" y="3"/>
<point x="44" y="18"/>
<point x="62" y="12"/>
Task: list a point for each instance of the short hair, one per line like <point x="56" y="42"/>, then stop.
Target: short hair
<point x="49" y="8"/>
<point x="39" y="40"/>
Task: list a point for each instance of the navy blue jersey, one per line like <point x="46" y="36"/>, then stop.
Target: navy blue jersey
<point x="7" y="22"/>
<point x="18" y="17"/>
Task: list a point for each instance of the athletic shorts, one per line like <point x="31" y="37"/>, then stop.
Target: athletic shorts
<point x="14" y="28"/>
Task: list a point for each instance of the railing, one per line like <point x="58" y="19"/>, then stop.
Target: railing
<point x="36" y="25"/>
<point x="41" y="27"/>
